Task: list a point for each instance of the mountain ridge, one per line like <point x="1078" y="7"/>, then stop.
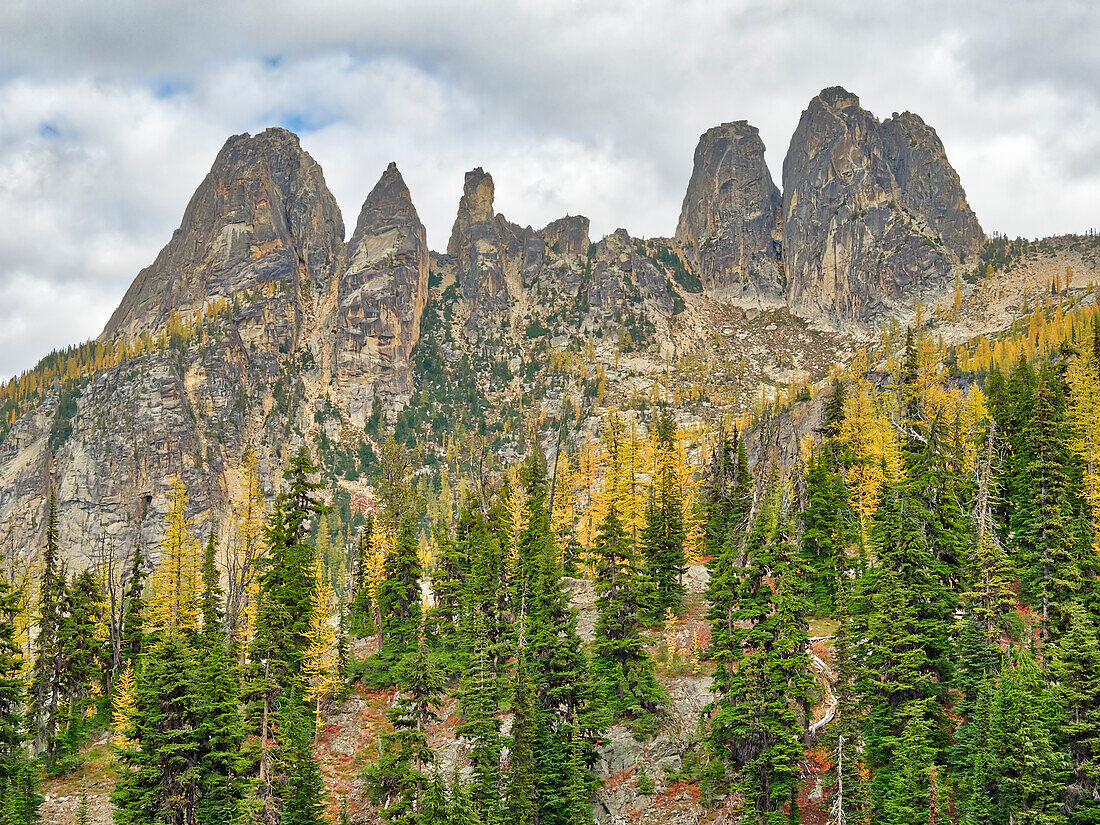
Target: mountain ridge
<point x="265" y="330"/>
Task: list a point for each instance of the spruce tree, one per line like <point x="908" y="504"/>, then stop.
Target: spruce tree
<point x="221" y="728"/>
<point x="399" y="598"/>
<point x="161" y="780"/>
<point x="400" y="776"/>
<point x="47" y="674"/>
<point x="303" y="795"/>
<point x="1076" y="673"/>
<point x="663" y="535"/>
<point x="621" y="667"/>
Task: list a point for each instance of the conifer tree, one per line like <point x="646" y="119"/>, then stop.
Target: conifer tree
<point x="825" y="528"/>
<point x="362" y="602"/>
<point x="19" y="799"/>
<point x="435" y="808"/>
<point x="726" y="492"/>
<point x="1076" y="673"/>
<point x="1046" y="517"/>
<point x="221" y="727"/>
<point x="84" y="655"/>
<point x="1028" y="770"/>
<point x="621" y="667"/>
<point x="133" y="619"/>
<point x="763" y="663"/>
<point x="53" y="594"/>
<point x="522" y="784"/>
<point x="244" y="554"/>
<point x="279" y="646"/>
<point x="174" y="603"/>
<point x="399" y="598"/>
<point x="400" y="777"/>
<point x="663" y="535"/>
<point x="481" y="724"/>
<point x="304" y="791"/>
<point x="161" y="780"/>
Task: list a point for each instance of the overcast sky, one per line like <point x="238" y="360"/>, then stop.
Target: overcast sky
<point x="112" y="112"/>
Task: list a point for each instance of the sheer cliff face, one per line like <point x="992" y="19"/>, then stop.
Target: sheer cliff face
<point x="263" y="219"/>
<point x="478" y="251"/>
<point x="729" y="229"/>
<point x="380" y="299"/>
<point x="874" y="217"/>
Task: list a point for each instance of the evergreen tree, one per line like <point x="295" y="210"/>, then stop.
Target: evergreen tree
<point x="221" y="729"/>
<point x="304" y="792"/>
<point x="362" y="603"/>
<point x="621" y="667"/>
<point x="825" y="531"/>
<point x="1076" y="673"/>
<point x="726" y="492"/>
<point x="522" y="803"/>
<point x="133" y="620"/>
<point x="481" y="725"/>
<point x="663" y="535"/>
<point x="161" y="783"/>
<point x="84" y="658"/>
<point x="762" y="669"/>
<point x="400" y="777"/>
<point x="399" y="597"/>
<point x="435" y="808"/>
<point x="1028" y="770"/>
<point x="46" y="677"/>
<point x="284" y="607"/>
<point x="1046" y="516"/>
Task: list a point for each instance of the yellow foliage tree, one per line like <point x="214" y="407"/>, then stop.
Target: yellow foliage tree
<point x="175" y="583"/>
<point x="123" y="706"/>
<point x="245" y="549"/>
<point x="321" y="665"/>
<point x="1084" y="420"/>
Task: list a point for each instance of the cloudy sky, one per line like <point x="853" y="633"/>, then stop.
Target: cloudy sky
<point x="111" y="113"/>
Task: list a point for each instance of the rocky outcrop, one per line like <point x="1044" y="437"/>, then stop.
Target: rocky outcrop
<point x="567" y="236"/>
<point x="262" y="220"/>
<point x="476" y="252"/>
<point x="380" y="299"/>
<point x="627" y="286"/>
<point x="729" y="229"/>
<point x="874" y="217"/>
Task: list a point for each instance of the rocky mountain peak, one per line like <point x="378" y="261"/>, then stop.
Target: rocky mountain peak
<point x="730" y="219"/>
<point x="263" y="214"/>
<point x="836" y="97"/>
<point x="476" y="205"/>
<point x="874" y="216"/>
<point x="389" y="201"/>
<point x="381" y="299"/>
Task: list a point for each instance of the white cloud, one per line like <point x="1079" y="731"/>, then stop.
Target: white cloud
<point x="111" y="113"/>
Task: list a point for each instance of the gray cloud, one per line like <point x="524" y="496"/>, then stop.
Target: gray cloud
<point x="110" y="113"/>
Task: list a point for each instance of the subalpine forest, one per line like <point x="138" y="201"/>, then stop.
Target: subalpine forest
<point x="937" y="536"/>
